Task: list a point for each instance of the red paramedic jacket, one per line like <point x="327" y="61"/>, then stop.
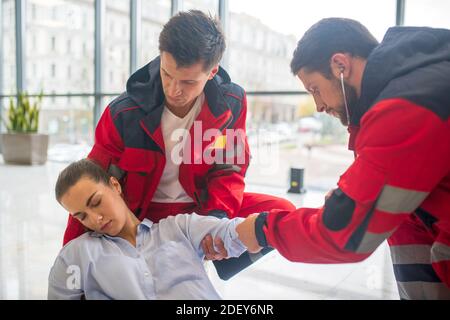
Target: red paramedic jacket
<point x="401" y="134"/>
<point x="129" y="144"/>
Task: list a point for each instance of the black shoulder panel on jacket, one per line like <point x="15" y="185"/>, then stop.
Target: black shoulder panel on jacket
<point x="234" y="97"/>
<point x="126" y="115"/>
<point x="428" y="87"/>
<point x="338" y="211"/>
<point x="120" y="104"/>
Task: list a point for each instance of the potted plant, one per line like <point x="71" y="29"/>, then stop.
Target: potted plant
<point x="22" y="144"/>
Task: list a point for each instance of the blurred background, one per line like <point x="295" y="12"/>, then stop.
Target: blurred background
<point x="79" y="53"/>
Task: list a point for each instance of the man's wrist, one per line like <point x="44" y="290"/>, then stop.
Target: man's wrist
<point x="260" y="223"/>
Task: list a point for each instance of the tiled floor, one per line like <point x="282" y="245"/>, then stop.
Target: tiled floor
<point x="32" y="225"/>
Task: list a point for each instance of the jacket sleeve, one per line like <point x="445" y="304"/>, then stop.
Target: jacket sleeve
<point x="402" y="154"/>
<point x="225" y="182"/>
<point x="107" y="149"/>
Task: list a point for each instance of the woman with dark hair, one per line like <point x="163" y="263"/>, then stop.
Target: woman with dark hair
<point x="121" y="257"/>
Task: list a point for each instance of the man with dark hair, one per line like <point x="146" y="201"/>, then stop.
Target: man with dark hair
<point x="176" y="138"/>
<point x="181" y="33"/>
<point x="394" y="98"/>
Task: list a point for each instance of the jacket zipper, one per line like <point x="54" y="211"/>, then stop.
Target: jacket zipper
<point x="197" y="199"/>
<point x="230" y="119"/>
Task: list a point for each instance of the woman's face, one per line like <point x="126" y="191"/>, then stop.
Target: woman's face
<point x="97" y="206"/>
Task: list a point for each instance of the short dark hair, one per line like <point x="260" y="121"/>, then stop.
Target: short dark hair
<point x="75" y="171"/>
<point x="191" y="37"/>
<point x="327" y="37"/>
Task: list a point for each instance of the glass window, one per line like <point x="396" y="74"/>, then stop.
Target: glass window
<point x="117" y="45"/>
<point x="154" y="15"/>
<point x="262" y="36"/>
<point x="53" y="73"/>
<point x="427" y="13"/>
<point x="285" y="131"/>
<point x="60" y="34"/>
<point x="207" y="6"/>
<point x="9" y="48"/>
<point x="68" y="120"/>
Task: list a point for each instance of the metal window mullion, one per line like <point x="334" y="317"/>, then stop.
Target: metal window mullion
<point x="176" y="6"/>
<point x="20" y="46"/>
<point x="135" y="33"/>
<point x="1" y="68"/>
<point x="115" y="94"/>
<point x="224" y="14"/>
<point x="98" y="57"/>
<point x="400" y="13"/>
<point x="1" y="52"/>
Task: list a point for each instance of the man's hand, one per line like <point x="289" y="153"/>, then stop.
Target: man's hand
<point x="247" y="235"/>
<point x="210" y="251"/>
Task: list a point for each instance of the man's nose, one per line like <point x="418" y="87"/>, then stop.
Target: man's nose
<point x="320" y="106"/>
<point x="99" y="218"/>
<point x="174" y="89"/>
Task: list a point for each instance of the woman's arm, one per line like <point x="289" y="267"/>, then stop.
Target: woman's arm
<point x="196" y="227"/>
<point x="64" y="281"/>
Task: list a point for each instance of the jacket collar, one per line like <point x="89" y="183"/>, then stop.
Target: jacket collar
<point x="145" y="224"/>
<point x="145" y="88"/>
<point x="402" y="50"/>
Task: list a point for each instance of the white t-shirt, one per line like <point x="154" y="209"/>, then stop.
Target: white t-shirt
<point x="169" y="188"/>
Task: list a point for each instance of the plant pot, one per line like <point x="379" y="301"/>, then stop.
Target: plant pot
<point x="24" y="148"/>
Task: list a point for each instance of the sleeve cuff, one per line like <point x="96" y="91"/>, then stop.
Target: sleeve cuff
<point x="233" y="244"/>
<point x="218" y="214"/>
<point x="260" y="223"/>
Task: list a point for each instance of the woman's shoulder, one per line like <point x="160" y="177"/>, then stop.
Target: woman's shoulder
<point x="85" y="244"/>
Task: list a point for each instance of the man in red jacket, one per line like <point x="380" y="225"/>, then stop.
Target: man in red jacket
<point x="394" y="97"/>
<point x="176" y="138"/>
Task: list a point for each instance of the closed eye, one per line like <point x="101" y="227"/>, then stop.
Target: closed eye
<point x="189" y="82"/>
<point x="80" y="215"/>
<point x="96" y="204"/>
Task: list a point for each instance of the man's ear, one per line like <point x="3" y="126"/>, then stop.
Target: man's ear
<point x="115" y="184"/>
<point x="340" y="63"/>
<point x="213" y="72"/>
